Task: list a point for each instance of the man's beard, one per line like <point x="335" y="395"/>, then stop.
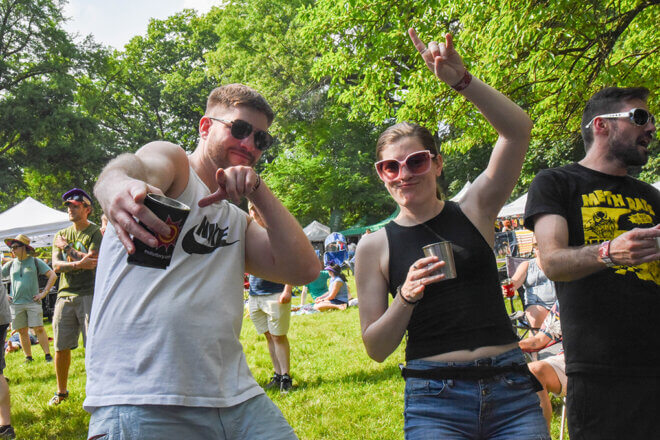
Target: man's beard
<point x="220" y="158"/>
<point x="627" y="151"/>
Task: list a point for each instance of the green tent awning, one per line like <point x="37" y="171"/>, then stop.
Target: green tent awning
<point x="359" y="230"/>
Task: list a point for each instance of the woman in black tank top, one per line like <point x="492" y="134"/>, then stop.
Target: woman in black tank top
<point x="462" y="357"/>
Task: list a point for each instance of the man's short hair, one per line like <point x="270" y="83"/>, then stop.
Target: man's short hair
<point x="608" y="100"/>
<point x="234" y="95"/>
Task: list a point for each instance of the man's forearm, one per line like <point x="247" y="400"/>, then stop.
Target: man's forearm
<point x="290" y="248"/>
<point x="47" y="288"/>
<point x="572" y="263"/>
<point x="61" y="266"/>
<point x="65" y="266"/>
<point x="73" y="253"/>
<point x="50" y="284"/>
<point x="125" y="166"/>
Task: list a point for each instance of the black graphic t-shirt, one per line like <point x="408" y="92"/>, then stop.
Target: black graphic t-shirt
<point x="609" y="317"/>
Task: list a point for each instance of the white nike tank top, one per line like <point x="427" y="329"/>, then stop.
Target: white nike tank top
<point x="170" y="337"/>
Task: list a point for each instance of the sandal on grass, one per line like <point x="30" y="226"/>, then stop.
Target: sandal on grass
<point x="58" y="398"/>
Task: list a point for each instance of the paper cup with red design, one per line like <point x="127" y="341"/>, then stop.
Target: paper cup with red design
<point x="172" y="212"/>
<point x="508" y="288"/>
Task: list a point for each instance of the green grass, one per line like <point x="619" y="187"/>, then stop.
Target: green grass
<point x="339" y="393"/>
<point x="32" y="385"/>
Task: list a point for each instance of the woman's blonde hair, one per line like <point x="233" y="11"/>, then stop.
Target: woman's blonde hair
<point x="404" y="130"/>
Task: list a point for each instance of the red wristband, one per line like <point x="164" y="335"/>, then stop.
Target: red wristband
<point x="464" y="82"/>
<point x="604" y="253"/>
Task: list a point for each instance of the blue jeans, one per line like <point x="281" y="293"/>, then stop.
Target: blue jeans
<point x="500" y="407"/>
<point x="256" y="418"/>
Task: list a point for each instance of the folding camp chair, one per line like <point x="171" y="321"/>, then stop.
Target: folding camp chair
<point x="335" y="250"/>
<point x="512" y="264"/>
<point x="335" y="257"/>
<point x="518" y="320"/>
<point x="563" y="419"/>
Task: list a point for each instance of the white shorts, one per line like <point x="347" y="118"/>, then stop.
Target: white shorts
<point x="268" y="315"/>
<point x="558" y="363"/>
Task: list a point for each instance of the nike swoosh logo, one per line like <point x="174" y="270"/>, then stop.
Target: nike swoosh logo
<point x="191" y="246"/>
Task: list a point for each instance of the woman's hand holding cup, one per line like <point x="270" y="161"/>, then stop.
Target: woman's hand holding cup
<point x="419" y="276"/>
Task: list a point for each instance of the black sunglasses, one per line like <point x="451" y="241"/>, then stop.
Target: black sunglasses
<point x="241" y="129"/>
<point x="15" y="246"/>
<point x="637" y="116"/>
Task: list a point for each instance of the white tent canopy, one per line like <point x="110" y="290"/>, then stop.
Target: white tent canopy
<point x="316" y="231"/>
<point x="457" y="198"/>
<point x="515" y="208"/>
<point x="34" y="219"/>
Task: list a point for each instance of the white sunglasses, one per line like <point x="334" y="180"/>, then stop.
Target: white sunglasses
<point x="637" y="116"/>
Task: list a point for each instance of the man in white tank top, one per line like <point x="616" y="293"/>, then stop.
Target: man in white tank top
<point x="189" y="379"/>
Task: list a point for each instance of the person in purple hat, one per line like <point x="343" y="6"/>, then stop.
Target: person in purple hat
<point x="337" y="296"/>
<point x="75" y="251"/>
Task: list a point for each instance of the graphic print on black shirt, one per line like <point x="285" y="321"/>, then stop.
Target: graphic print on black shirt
<point x="606" y="215"/>
<point x="604" y="313"/>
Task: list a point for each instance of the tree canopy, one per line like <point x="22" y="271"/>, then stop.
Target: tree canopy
<point x="337" y="72"/>
<point x="548" y="56"/>
<point x="46" y="139"/>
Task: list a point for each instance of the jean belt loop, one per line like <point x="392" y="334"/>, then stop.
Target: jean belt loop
<point x="486" y="361"/>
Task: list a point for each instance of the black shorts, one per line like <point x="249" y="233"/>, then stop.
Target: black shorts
<point x="603" y="407"/>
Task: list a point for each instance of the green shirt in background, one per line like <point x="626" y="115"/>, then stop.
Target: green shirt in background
<point x="24" y="276"/>
<point x="80" y="281"/>
<point x="319" y="286"/>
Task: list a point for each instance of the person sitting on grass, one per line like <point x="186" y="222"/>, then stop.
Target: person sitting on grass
<point x="337" y="296"/>
<point x="316" y="288"/>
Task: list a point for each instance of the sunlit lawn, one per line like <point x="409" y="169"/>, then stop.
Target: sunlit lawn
<point x="339" y="393"/>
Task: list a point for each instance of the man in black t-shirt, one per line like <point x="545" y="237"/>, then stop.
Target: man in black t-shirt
<point x="597" y="230"/>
